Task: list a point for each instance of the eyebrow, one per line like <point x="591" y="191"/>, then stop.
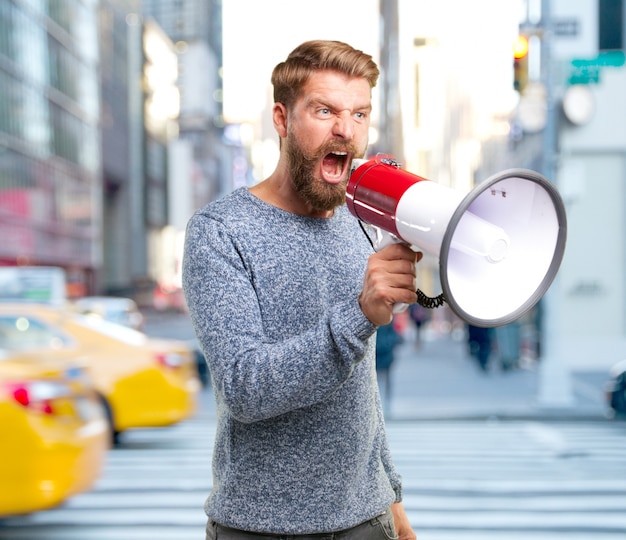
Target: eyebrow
<point x="315" y="101"/>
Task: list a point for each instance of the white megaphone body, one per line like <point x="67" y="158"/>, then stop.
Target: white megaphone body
<point x="499" y="246"/>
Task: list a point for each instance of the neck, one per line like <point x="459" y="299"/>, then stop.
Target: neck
<point x="278" y="191"/>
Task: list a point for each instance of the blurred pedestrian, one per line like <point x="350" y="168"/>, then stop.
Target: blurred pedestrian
<point x="285" y="296"/>
<point x="387" y="340"/>
<point x="480" y="343"/>
<point x="508" y="344"/>
<point x="419" y="315"/>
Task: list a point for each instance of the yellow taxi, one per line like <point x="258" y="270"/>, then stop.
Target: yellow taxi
<point x="54" y="436"/>
<point x="142" y="381"/>
<point x="117" y="309"/>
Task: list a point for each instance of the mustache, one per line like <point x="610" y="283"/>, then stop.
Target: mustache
<point x="334" y="146"/>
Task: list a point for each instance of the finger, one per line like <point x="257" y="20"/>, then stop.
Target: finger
<point x="401" y="267"/>
<point x="398" y="251"/>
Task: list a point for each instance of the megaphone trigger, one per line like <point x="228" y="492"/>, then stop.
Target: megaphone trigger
<point x="382" y="238"/>
<point x="399" y="308"/>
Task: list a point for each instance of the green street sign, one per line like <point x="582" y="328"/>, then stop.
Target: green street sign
<point x="586" y="74"/>
<point x="587" y="71"/>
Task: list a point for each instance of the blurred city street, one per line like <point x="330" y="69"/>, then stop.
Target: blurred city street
<point x="496" y="145"/>
<point x="480" y="459"/>
<point x="439" y="380"/>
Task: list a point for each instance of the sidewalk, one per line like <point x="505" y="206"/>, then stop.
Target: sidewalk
<point x="439" y="380"/>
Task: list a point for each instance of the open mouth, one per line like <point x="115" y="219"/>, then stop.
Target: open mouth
<point x="335" y="166"/>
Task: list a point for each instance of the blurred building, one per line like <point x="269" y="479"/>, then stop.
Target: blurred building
<point x="588" y="89"/>
<point x="50" y="164"/>
<point x="572" y="91"/>
<point x="456" y="95"/>
<point x="204" y="161"/>
<point x="112" y="134"/>
<point x="139" y="107"/>
<point x="566" y="123"/>
<point x="124" y="246"/>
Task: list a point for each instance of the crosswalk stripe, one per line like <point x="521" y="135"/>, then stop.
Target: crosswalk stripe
<point x="462" y="480"/>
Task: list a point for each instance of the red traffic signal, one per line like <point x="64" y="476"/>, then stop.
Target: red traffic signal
<point x="520" y="47"/>
<point x="520" y="63"/>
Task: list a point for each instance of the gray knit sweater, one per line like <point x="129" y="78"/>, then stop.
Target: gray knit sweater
<point x="300" y="444"/>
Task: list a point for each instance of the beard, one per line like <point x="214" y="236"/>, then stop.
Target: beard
<point x="320" y="195"/>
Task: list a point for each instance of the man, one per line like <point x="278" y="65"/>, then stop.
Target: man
<point x="285" y="297"/>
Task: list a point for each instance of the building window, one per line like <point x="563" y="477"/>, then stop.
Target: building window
<point x="611" y="25"/>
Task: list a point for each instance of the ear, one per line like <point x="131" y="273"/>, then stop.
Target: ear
<point x="279" y="116"/>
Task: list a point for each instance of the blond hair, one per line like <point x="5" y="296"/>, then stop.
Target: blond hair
<point x="289" y="77"/>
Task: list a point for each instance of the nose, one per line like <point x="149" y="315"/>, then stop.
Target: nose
<point x="343" y="126"/>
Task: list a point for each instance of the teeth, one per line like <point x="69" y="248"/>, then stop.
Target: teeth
<point x="340" y="153"/>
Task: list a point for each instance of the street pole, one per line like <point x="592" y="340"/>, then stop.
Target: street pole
<point x="391" y="137"/>
<point x="555" y="382"/>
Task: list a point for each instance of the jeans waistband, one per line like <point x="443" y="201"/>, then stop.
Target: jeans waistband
<point x="309" y="536"/>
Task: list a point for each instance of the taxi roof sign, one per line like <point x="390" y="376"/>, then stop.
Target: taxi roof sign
<point x="37" y="284"/>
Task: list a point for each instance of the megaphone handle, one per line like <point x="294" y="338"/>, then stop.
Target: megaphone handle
<point x="383" y="239"/>
<point x="399" y="308"/>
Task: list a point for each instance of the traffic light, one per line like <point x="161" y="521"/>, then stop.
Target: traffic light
<point x="520" y="63"/>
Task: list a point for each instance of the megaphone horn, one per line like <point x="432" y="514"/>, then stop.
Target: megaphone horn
<point x="499" y="246"/>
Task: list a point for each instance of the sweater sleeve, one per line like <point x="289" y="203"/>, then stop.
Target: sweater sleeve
<point x="385" y="456"/>
<point x="258" y="378"/>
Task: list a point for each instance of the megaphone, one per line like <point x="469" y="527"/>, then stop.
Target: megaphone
<point x="499" y="246"/>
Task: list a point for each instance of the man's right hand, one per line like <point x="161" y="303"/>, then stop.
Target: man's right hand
<point x="390" y="279"/>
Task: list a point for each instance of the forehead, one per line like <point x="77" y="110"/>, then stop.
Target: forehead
<point x="337" y="89"/>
